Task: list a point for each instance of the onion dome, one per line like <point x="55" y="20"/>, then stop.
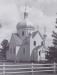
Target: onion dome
<point x="21" y="25"/>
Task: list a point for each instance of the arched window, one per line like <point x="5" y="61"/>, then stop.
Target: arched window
<point x="14" y="50"/>
<point x="24" y="51"/>
<point x="39" y="53"/>
<point x="34" y="43"/>
<point x="22" y="33"/>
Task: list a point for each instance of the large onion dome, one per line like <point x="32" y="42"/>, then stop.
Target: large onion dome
<point x="21" y="25"/>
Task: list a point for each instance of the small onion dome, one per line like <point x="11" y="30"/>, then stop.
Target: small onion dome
<point x="21" y="25"/>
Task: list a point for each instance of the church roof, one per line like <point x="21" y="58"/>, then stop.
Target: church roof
<point x="37" y="47"/>
<point x="41" y="47"/>
<point x="21" y="25"/>
<point x="17" y="39"/>
<point x="36" y="32"/>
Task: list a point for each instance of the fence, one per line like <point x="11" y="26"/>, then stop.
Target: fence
<point x="27" y="68"/>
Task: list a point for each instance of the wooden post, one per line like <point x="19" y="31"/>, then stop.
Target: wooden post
<point x="32" y="68"/>
<point x="54" y="67"/>
<point x="3" y="68"/>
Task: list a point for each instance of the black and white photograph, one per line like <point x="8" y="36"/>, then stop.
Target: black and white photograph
<point x="28" y="37"/>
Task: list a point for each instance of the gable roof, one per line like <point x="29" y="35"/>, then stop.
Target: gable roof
<point x="36" y="32"/>
<point x="40" y="46"/>
<point x="37" y="47"/>
<point x="17" y="39"/>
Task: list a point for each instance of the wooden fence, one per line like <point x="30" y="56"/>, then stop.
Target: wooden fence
<point x="27" y="68"/>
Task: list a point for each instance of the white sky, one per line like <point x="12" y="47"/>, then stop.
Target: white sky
<point x="41" y="13"/>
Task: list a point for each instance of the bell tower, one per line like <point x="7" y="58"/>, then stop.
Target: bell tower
<point x="23" y="29"/>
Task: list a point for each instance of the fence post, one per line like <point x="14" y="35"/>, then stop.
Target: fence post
<point x="54" y="67"/>
<point x="3" y="68"/>
<point x="32" y="68"/>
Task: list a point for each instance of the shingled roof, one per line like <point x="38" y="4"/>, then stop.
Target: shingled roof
<point x="37" y="47"/>
<point x="17" y="39"/>
<point x="34" y="33"/>
<point x="40" y="46"/>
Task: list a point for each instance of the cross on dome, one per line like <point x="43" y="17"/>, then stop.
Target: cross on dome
<point x="25" y="12"/>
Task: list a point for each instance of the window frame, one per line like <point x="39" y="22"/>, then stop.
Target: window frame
<point x="39" y="53"/>
<point x="34" y="42"/>
<point x="22" y="33"/>
<point x="23" y="51"/>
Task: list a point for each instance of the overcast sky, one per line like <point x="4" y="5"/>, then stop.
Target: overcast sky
<point x="40" y="12"/>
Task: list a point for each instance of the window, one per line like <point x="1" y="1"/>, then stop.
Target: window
<point x="23" y="50"/>
<point x="10" y="50"/>
<point x="34" y="43"/>
<point x="17" y="49"/>
<point x="56" y="20"/>
<point x="14" y="50"/>
<point x="23" y="33"/>
<point x="39" y="53"/>
<point x="42" y="43"/>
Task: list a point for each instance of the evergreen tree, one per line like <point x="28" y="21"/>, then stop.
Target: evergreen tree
<point x="54" y="35"/>
<point x="52" y="55"/>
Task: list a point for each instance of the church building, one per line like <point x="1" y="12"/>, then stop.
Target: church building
<point x="25" y="46"/>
